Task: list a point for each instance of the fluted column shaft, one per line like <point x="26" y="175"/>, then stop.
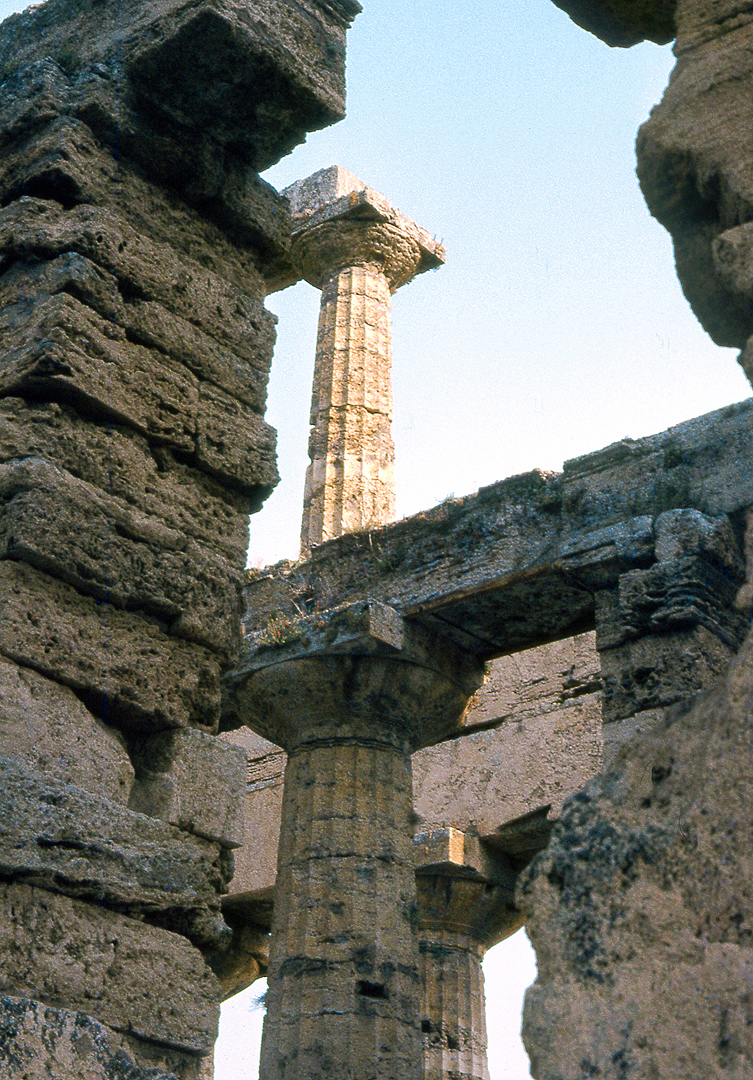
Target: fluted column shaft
<point x="343" y="996"/>
<point x="453" y="1016"/>
<point x="350" y="481"/>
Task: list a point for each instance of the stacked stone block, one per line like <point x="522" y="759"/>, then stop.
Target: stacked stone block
<point x="134" y="236"/>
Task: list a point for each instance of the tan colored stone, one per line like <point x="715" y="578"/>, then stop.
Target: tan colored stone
<point x="70" y="954"/>
<point x="241" y="371"/>
<point x="105" y="548"/>
<point x="62" y="348"/>
<point x="195" y="781"/>
<point x="46" y="728"/>
<point x="126" y="667"/>
<point x="69" y="841"/>
<point x="639" y="908"/>
<point x="122" y="463"/>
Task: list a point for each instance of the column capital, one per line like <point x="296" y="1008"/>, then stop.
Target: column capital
<point x="338" y="221"/>
<point x="359" y="673"/>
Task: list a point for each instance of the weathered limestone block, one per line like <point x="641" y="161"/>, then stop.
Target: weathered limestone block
<point x="700" y="463"/>
<point x="61" y="348"/>
<point x="42" y="1043"/>
<point x="64" y="161"/>
<point x="129" y="671"/>
<point x="150" y="270"/>
<point x="694" y="163"/>
<point x="106" y="549"/>
<point x="66" y="840"/>
<point x="669" y="631"/>
<point x="241" y="372"/>
<point x="546" y="742"/>
<point x="45" y="728"/>
<point x="639" y="909"/>
<point x="192" y="65"/>
<point x="69" y="954"/>
<point x="624" y="22"/>
<point x="195" y="781"/>
<point x="121" y="462"/>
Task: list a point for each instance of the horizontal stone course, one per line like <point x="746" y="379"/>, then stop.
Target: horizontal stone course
<point x="126" y="667"/>
<point x="143" y="268"/>
<point x="69" y="841"/>
<point x="195" y="781"/>
<point x="123" y="464"/>
<point x="45" y="727"/>
<point x="241" y="371"/>
<point x="106" y="549"/>
<point x="61" y="348"/>
<point x="69" y="953"/>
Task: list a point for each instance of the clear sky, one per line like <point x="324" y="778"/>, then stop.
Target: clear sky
<point x="557" y="325"/>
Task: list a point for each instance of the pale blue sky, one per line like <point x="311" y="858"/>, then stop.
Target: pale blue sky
<point x="557" y="325"/>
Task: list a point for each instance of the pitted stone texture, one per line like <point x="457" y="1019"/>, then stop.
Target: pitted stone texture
<point x="694" y="158"/>
<point x="71" y="954"/>
<point x="128" y="670"/>
<point x="42" y="1043"/>
<point x="70" y="841"/>
<point x="639" y="910"/>
<point x="343" y="977"/>
<point x="241" y="369"/>
<point x="179" y="54"/>
<point x="120" y="462"/>
<point x="350" y="481"/>
<point x="195" y="781"/>
<point x="63" y="349"/>
<point x="45" y="727"/>
<point x="105" y="548"/>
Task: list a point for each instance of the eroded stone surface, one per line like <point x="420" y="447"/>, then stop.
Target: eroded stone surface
<point x="195" y="781"/>
<point x="42" y="1043"/>
<point x="45" y="727"/>
<point x="71" y="841"/>
<point x="131" y="672"/>
<point x="639" y="909"/>
<point x="71" y="954"/>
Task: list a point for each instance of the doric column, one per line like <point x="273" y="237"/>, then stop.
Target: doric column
<point x="352" y="244"/>
<point x="465" y="905"/>
<point x="349" y="696"/>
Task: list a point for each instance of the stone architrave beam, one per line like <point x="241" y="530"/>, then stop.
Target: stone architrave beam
<point x="520" y="562"/>
<point x="351" y="243"/>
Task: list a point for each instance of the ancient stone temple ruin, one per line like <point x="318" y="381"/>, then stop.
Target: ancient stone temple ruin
<point x="359" y="771"/>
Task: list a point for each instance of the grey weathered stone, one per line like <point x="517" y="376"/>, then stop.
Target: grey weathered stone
<point x="62" y="348"/>
<point x="105" y="548"/>
<point x="177" y="55"/>
<point x="71" y="841"/>
<point x="46" y="728"/>
<point x="151" y="270"/>
<point x="69" y="954"/>
<point x="521" y="561"/>
<point x="130" y="672"/>
<point x="147" y="323"/>
<point x="122" y="463"/>
<point x="193" y="780"/>
<point x="694" y="164"/>
<point x="639" y="909"/>
<point x="42" y="1043"/>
